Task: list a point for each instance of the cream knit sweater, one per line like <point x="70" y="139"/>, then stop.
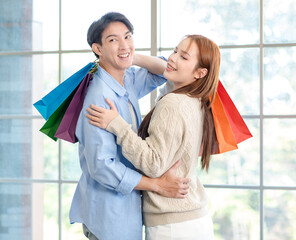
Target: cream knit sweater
<point x="175" y="132"/>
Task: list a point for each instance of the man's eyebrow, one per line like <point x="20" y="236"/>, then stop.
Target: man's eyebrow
<point x="115" y="35"/>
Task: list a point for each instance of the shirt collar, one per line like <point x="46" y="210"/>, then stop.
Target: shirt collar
<point x="111" y="82"/>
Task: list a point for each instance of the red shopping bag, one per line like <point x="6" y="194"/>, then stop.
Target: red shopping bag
<point x="229" y="125"/>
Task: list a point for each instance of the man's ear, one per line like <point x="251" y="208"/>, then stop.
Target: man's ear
<point x="200" y="73"/>
<point x="96" y="48"/>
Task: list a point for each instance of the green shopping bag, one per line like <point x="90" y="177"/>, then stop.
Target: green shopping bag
<point x="51" y="125"/>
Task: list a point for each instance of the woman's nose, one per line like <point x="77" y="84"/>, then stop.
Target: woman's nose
<point x="172" y="57"/>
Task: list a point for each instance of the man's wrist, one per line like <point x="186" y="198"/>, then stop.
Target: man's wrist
<point x="155" y="186"/>
<point x="149" y="184"/>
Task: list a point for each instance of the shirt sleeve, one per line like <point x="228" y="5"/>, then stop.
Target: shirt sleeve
<point x="158" y="152"/>
<point x="100" y="153"/>
<point x="165" y="89"/>
<point x="144" y="82"/>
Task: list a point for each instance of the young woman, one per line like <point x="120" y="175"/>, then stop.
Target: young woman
<point x="179" y="127"/>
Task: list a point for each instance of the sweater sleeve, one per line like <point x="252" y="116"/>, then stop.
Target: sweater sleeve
<point x="158" y="152"/>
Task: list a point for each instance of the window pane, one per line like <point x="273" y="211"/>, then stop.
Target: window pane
<point x="51" y="158"/>
<point x="279" y="152"/>
<point x="25" y="152"/>
<point x="72" y="62"/>
<point x="279" y="90"/>
<point x="238" y="167"/>
<point x="70" y="231"/>
<point x="279" y="214"/>
<point x="45" y="25"/>
<point x="29" y="211"/>
<point x="26" y="79"/>
<point x="145" y="102"/>
<point x="29" y="25"/>
<point x="239" y="73"/>
<point x="77" y="16"/>
<point x="70" y="160"/>
<point x="279" y="21"/>
<point x="226" y="22"/>
<point x="235" y="213"/>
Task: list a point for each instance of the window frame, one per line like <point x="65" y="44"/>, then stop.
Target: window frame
<point x="154" y="49"/>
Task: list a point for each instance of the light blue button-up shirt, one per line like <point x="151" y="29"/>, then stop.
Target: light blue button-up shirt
<point x="104" y="199"/>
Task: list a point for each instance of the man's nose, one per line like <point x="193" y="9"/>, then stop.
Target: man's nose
<point x="123" y="44"/>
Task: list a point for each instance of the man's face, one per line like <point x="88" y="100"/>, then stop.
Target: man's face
<point x="117" y="49"/>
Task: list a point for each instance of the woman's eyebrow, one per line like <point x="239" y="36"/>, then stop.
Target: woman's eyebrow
<point x="185" y="52"/>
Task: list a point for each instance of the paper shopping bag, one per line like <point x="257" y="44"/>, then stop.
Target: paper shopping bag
<point x="229" y="125"/>
<point x="225" y="136"/>
<point x="238" y="125"/>
<point x="66" y="130"/>
<point x="51" y="125"/>
<point x="51" y="102"/>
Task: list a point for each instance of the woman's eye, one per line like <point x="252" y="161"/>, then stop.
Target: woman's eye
<point x="112" y="40"/>
<point x="128" y="36"/>
<point x="183" y="57"/>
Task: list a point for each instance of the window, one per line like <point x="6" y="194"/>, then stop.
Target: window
<point x="252" y="190"/>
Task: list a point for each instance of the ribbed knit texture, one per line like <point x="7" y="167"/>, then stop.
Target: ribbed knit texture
<point x="175" y="132"/>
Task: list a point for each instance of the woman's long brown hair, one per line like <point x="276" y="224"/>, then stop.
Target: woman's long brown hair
<point x="204" y="89"/>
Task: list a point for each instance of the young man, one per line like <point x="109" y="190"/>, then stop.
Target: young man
<point x="107" y="200"/>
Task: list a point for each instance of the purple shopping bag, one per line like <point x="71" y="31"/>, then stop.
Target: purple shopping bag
<point x="67" y="127"/>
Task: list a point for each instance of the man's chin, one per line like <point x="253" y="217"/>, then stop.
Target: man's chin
<point x="126" y="64"/>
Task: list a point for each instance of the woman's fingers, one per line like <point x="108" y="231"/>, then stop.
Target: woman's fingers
<point x="92" y="117"/>
<point x="111" y="104"/>
<point x="101" y="117"/>
<point x="94" y="112"/>
<point x="98" y="124"/>
<point x="96" y="108"/>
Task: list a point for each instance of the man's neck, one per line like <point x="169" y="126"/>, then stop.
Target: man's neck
<point x="118" y="75"/>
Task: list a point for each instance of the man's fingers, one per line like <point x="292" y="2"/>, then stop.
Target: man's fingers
<point x="185" y="180"/>
<point x="176" y="165"/>
<point x="180" y="196"/>
<point x="183" y="192"/>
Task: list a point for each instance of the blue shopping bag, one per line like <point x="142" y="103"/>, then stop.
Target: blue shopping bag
<point x="67" y="126"/>
<point x="51" y="102"/>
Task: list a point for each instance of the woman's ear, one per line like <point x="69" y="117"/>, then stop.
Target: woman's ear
<point x="200" y="73"/>
<point x="96" y="48"/>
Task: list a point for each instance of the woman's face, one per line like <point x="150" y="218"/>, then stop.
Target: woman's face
<point x="181" y="66"/>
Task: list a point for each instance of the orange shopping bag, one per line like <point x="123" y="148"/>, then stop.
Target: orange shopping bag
<point x="229" y="125"/>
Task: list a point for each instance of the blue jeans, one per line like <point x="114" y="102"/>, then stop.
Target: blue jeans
<point x="88" y="234"/>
